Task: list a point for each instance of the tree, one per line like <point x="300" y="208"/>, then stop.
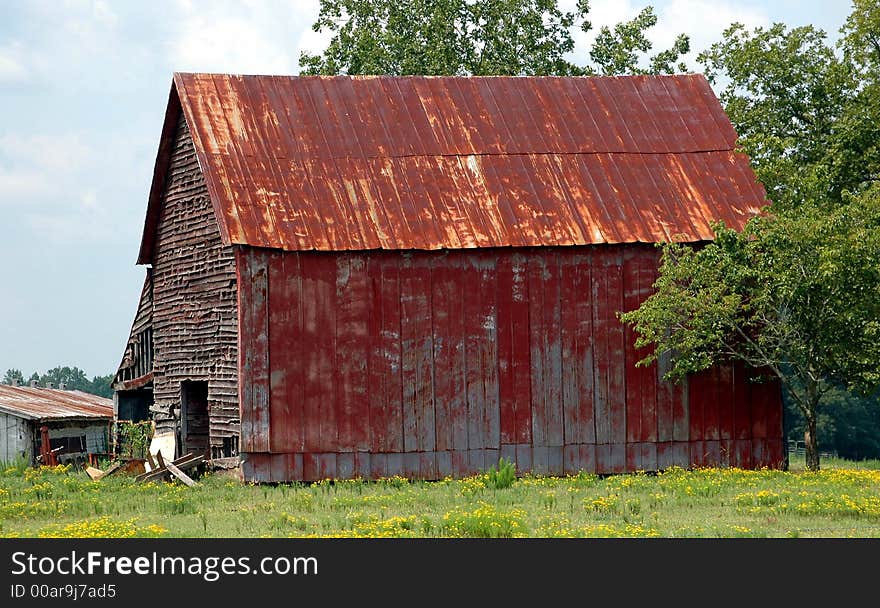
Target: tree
<point x="72" y="377"/>
<point x="796" y="292"/>
<point x="13" y="375"/>
<point x="478" y="37"/>
<point x="807" y="116"/>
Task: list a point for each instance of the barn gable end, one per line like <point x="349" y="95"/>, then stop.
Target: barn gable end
<point x="193" y="325"/>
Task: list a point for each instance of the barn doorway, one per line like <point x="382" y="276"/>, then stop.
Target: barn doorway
<point x="194" y="422"/>
<point x="134" y="406"/>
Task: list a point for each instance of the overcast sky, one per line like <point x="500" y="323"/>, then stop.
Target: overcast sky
<point x="83" y="87"/>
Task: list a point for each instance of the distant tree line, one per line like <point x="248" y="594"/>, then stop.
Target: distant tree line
<point x="73" y="378"/>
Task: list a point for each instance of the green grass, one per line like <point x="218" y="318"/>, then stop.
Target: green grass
<point x="842" y="500"/>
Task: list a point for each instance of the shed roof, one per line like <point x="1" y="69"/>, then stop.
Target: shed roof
<point x="379" y="162"/>
<point x="44" y="404"/>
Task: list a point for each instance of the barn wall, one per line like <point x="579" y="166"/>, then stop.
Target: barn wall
<point x="136" y="367"/>
<point x="18" y="438"/>
<point x="194" y="321"/>
<point x="429" y="364"/>
<point x="95" y="433"/>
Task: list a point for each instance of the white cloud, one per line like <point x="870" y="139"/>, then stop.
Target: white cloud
<point x="37" y="169"/>
<point x="11" y="70"/>
<point x="57" y="153"/>
<point x="19" y="187"/>
<point x="703" y="20"/>
<point x="241" y="37"/>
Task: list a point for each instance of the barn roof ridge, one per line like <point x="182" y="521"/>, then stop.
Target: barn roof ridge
<point x="331" y="163"/>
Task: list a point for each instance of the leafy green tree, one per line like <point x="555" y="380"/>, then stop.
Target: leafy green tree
<point x="478" y="37"/>
<point x="796" y="293"/>
<point x="73" y="377"/>
<point x="12" y="375"/>
<point x="807" y="116"/>
<point x="100" y="385"/>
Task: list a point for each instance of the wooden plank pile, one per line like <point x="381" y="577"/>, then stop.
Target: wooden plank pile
<point x="161" y="470"/>
<point x="96" y="473"/>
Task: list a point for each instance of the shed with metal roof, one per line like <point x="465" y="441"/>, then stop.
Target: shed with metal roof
<point x="75" y="423"/>
<point x="370" y="276"/>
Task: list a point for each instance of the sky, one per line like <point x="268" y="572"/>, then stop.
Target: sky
<point x="83" y="89"/>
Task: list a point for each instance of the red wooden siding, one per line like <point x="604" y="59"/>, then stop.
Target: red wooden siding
<point x="429" y="364"/>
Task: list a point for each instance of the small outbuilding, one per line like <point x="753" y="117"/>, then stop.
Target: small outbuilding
<point x="35" y="420"/>
<point x="375" y="276"/>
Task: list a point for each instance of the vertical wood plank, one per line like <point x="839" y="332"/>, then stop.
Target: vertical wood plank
<point x="553" y="351"/>
<point x="569" y="325"/>
<point x="245" y="384"/>
<point x="444" y="464"/>
<point x="443" y="297"/>
<point x="649" y="456"/>
<point x="379" y="364"/>
<point x="711" y="405"/>
<point x="635" y="397"/>
<point x="759" y="410"/>
<point x="388" y="415"/>
<point x="456" y="350"/>
<point x="254" y="318"/>
<point x="473" y="331"/>
<point x="537" y="269"/>
<point x="647" y="375"/>
<point x="681" y="410"/>
<point x="584" y="364"/>
<point x="362" y="465"/>
<point x="742" y="421"/>
<point x="699" y="385"/>
<point x="616" y="384"/>
<point x="489" y="352"/>
<point x="345" y="465"/>
<point x="428" y="465"/>
<point x="352" y="349"/>
<point x="602" y="357"/>
<point x="319" y="327"/>
<point x="285" y="320"/>
<point x="417" y="352"/>
<point x="504" y="329"/>
<point x="726" y="401"/>
<point x="521" y="356"/>
<point x="587" y="456"/>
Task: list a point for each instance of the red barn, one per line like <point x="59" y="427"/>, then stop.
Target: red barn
<point x="375" y="276"/>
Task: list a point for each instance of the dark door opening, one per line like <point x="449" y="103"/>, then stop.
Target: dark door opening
<point x="194" y="423"/>
<point x="134" y="406"/>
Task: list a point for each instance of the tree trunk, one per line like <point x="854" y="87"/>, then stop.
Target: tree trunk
<point x="812" y="445"/>
<point x="811" y="438"/>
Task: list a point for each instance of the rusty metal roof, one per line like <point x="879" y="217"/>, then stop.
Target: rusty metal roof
<point x="378" y="162"/>
<point x="34" y="403"/>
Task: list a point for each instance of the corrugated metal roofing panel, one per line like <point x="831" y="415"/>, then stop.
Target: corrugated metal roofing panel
<point x="349" y="163"/>
<point x="34" y="403"/>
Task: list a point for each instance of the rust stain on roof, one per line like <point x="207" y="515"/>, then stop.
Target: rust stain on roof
<point x="377" y="162"/>
<point x="45" y="404"/>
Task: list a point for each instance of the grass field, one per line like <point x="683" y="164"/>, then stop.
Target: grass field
<point x="842" y="500"/>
